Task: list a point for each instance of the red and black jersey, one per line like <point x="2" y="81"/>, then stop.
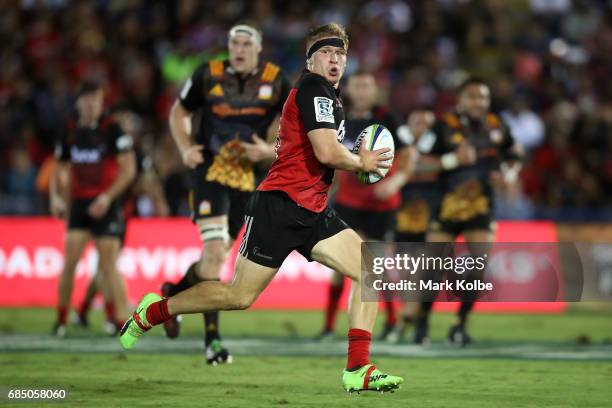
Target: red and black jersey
<point x="351" y="192"/>
<point x="312" y="104"/>
<point x="92" y="152"/>
<point x="233" y="107"/>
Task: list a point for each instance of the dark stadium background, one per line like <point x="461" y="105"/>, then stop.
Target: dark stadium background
<point x="548" y="63"/>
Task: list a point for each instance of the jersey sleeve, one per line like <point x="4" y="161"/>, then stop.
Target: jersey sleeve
<point x="392" y="122"/>
<point x="120" y="141"/>
<point x="507" y="146"/>
<point x="62" y="147"/>
<point x="285" y="88"/>
<point x="192" y="92"/>
<point x="439" y="147"/>
<point x="315" y="101"/>
<point x="62" y="150"/>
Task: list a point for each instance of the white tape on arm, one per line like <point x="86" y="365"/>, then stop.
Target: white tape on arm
<point x="510" y="172"/>
<point x="449" y="161"/>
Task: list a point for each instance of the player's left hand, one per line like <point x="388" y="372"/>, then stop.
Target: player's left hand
<point x="389" y="186"/>
<point x="259" y="150"/>
<point x="99" y="206"/>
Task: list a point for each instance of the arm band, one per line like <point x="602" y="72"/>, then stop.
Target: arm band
<point x="449" y="161"/>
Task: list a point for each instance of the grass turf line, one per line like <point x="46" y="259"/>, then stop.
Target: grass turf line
<point x="558" y="328"/>
<point x="182" y="380"/>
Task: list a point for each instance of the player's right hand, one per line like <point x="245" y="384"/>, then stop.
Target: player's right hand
<point x="466" y="154"/>
<point x="374" y="160"/>
<point x="59" y="209"/>
<point x="192" y="156"/>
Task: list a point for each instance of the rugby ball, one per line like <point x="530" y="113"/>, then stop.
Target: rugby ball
<point x="375" y="137"/>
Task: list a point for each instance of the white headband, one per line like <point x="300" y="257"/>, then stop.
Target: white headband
<point x="246" y="29"/>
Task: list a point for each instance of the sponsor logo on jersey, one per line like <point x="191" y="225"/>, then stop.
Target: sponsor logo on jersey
<point x="85" y="155"/>
<point x="256" y="251"/>
<point x="204" y="208"/>
<point x="341" y="131"/>
<point x="224" y="110"/>
<point x="216" y="91"/>
<point x="324" y="109"/>
<point x="265" y="92"/>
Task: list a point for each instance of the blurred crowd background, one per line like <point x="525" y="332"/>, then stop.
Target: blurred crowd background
<point x="548" y="62"/>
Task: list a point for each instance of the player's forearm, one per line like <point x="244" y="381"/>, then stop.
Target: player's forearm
<point x="427" y="164"/>
<point x="269" y="155"/>
<point x="122" y="182"/>
<point x="408" y="160"/>
<point x="180" y="126"/>
<point x="60" y="183"/>
<point x="127" y="174"/>
<point x="342" y="159"/>
<point x="433" y="163"/>
<point x="151" y="185"/>
<point x="328" y="151"/>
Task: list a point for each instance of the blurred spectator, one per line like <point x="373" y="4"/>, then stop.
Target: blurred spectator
<point x="526" y="126"/>
<point x="20" y="184"/>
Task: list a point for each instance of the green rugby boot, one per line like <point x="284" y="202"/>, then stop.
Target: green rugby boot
<point x="217" y="354"/>
<point x="370" y="378"/>
<point x="137" y="324"/>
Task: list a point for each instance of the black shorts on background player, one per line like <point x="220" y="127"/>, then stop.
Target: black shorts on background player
<point x="375" y="225"/>
<point x="210" y="199"/>
<point x="276" y="225"/>
<point x="110" y="224"/>
<point x="480" y="222"/>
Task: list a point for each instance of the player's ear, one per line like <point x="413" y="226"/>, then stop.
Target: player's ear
<point x="309" y="64"/>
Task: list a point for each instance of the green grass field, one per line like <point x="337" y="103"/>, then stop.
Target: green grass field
<point x="519" y="360"/>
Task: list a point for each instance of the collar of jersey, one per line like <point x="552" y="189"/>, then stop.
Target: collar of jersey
<point x="232" y="71"/>
<point x="336" y="90"/>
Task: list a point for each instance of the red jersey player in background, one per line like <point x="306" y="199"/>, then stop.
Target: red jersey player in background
<point x="96" y="164"/>
<point x="359" y="204"/>
<point x="289" y="212"/>
<point x="147" y="192"/>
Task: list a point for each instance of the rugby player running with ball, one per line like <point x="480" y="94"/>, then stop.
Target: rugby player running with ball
<point x="289" y="212"/>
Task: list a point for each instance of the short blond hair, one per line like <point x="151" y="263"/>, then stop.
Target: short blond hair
<point x="325" y="31"/>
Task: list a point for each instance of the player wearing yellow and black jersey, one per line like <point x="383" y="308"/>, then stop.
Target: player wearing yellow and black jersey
<point x="475" y="153"/>
<point x="420" y="196"/>
<point x="237" y="100"/>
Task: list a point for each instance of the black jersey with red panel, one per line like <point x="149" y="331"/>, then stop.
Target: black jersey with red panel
<point x="466" y="190"/>
<point x="92" y="153"/>
<point x="351" y="192"/>
<point x="233" y="107"/>
<point x="312" y="104"/>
